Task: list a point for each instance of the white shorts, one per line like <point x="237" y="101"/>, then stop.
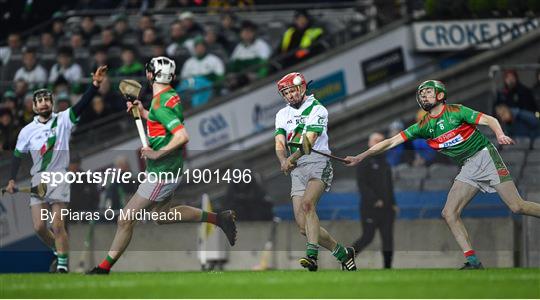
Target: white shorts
<point x="59" y="193"/>
<point x="321" y="169"/>
<point x="158" y="191"/>
<point x="484" y="170"/>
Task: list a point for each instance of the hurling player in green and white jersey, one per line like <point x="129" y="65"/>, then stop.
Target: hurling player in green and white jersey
<point x="311" y="175"/>
<point x="46" y="139"/>
<point x="451" y="130"/>
<point x="167" y="138"/>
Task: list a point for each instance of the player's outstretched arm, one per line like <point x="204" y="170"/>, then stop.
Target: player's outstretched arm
<point x="87" y="97"/>
<point x="495" y="126"/>
<point x="179" y="138"/>
<point x="376" y="149"/>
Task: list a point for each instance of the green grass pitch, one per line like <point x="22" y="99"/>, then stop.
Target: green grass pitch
<point x="418" y="283"/>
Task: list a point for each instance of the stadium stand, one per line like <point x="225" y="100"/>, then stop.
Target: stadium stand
<point x="420" y="190"/>
<point x="101" y="34"/>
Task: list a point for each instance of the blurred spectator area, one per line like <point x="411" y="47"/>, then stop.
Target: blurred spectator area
<point x="273" y="22"/>
<point x="90" y="37"/>
<point x="61" y="53"/>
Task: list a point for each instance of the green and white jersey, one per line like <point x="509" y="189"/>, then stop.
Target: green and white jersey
<point x="310" y="117"/>
<point x="165" y="117"/>
<point x="453" y="132"/>
<point x="48" y="143"/>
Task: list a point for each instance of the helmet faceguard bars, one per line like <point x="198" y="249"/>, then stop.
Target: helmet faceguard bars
<point x="43" y="93"/>
<point x="292" y="80"/>
<point x="438" y="87"/>
<point x="162" y="68"/>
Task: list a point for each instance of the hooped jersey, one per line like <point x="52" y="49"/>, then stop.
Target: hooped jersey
<point x="165" y="117"/>
<point x="47" y="143"/>
<point x="310" y="117"/>
<point x="453" y="132"/>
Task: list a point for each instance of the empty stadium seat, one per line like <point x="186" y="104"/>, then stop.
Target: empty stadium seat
<point x="438" y="170"/>
<point x="515" y="170"/>
<point x="397" y="169"/>
<point x="408" y="184"/>
<point x="531" y="170"/>
<point x="534" y="196"/>
<point x="528" y="188"/>
<point x="513" y="157"/>
<point x="413" y="172"/>
<point x="536" y="144"/>
<point x="533" y="157"/>
<point x="437" y="184"/>
<point x="530" y="179"/>
<point x="344" y="186"/>
<point x="523" y="143"/>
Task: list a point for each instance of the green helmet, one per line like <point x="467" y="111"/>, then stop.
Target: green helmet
<point x="438" y="86"/>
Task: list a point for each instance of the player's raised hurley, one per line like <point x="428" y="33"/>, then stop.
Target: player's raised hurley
<point x="307" y="148"/>
<point x="131" y="89"/>
<point x="39" y="190"/>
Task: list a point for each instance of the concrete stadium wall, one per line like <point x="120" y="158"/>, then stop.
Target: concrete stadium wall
<point x="418" y="244"/>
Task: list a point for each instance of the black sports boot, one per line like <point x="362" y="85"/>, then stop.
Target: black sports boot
<point x="349" y="264"/>
<point x="469" y="266"/>
<point x="98" y="271"/>
<point x="309" y="263"/>
<point x="226" y="221"/>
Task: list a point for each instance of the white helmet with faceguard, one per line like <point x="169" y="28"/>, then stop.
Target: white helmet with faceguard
<point x="162" y="68"/>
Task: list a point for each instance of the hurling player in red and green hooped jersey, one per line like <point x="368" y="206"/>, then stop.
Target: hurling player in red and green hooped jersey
<point x="167" y="137"/>
<point x="451" y="130"/>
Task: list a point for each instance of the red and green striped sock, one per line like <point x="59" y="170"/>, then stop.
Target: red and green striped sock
<point x="209" y="217"/>
<point x="471" y="257"/>
<point x="107" y="263"/>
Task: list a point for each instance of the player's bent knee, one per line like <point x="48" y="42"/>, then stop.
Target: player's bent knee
<point x="517" y="208"/>
<point x="308" y="207"/>
<point x="449" y="215"/>
<point x="58" y="228"/>
<point x="40" y="228"/>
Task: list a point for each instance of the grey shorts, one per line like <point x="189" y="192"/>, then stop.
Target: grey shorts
<point x="484" y="170"/>
<point x="300" y="176"/>
<point x="158" y="191"/>
<point x="59" y="193"/>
